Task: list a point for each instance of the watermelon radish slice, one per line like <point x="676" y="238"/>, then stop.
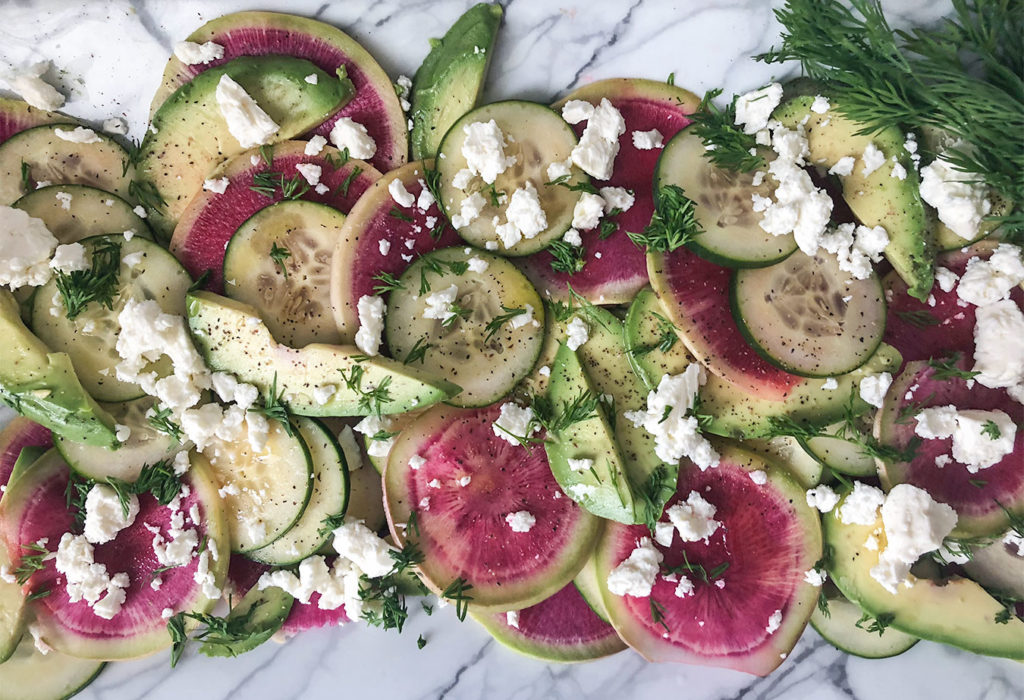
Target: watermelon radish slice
<point x="374" y="241"/>
<point x="375" y="104"/>
<point x="615" y="269"/>
<point x="769" y="538"/>
<point x="19" y="434"/>
<point x="973" y="496"/>
<point x="463" y="532"/>
<point x="16" y="115"/>
<point x="203" y="231"/>
<point x="695" y="295"/>
<point x="35" y="508"/>
<point x="921" y="331"/>
<point x="559" y="628"/>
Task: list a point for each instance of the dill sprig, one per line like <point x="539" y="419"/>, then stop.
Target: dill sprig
<point x="965" y="76"/>
<point x="347" y="182"/>
<point x="219" y="632"/>
<point x="727" y="146"/>
<point x="372" y="399"/>
<point x="30" y="563"/>
<point x="555" y="419"/>
<point x="566" y="257"/>
<point x="650" y="498"/>
<point x="946" y="368"/>
<point x="160" y="419"/>
<point x="875" y="624"/>
<point x="269" y="182"/>
<point x="495" y="324"/>
<point x="673" y="224"/>
<point x="97" y="283"/>
<point x="145" y="193"/>
<point x="388" y="283"/>
<point x="456" y="591"/>
<point x="274" y="408"/>
<point x="667" y="338"/>
<point x="918" y="318"/>
<point x="26" y="177"/>
<point x="658" y="614"/>
<point x="418" y="352"/>
<point x="280" y="253"/>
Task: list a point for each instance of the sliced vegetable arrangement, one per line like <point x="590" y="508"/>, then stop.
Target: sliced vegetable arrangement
<point x="631" y="370"/>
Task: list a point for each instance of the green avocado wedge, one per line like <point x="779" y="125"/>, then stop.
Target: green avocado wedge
<point x="450" y="80"/>
<point x="43" y="386"/>
<point x="189" y="136"/>
<point x="231" y="337"/>
<point x="257" y="616"/>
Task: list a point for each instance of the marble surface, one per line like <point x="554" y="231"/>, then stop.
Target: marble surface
<point x="108" y="57"/>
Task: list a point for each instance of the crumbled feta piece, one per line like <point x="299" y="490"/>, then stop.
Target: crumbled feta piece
<point x="484" y="150"/>
<point x="774" y="622"/>
<point x="31" y="87"/>
<point x="350" y="134"/>
<point x="664" y="533"/>
<point x="104" y="516"/>
<point x="360" y="545"/>
<point x="439" y="304"/>
<point x="587" y="212"/>
<point x="580" y="465"/>
<point x="684" y="587"/>
<point x="576" y="111"/>
<point x="323" y="393"/>
<point x="959" y="200"/>
<point x="822" y="497"/>
<point x="79" y="134"/>
<point x="217" y="186"/>
<point x="371" y="323"/>
<point x="384" y="246"/>
<point x="945" y="278"/>
<point x="898" y="171"/>
<point x="469" y="211"/>
<point x="816" y="577"/>
<point x="573" y="238"/>
<point x="874" y="387"/>
<point x="576" y="333"/>
<point x="999" y="347"/>
<point x="636" y="575"/>
<point x="85" y="579"/>
<point x="595" y="153"/>
<point x="477" y="264"/>
<point x="524" y="215"/>
<point x="559" y="169"/>
<point x="514" y="422"/>
<point x="69" y="257"/>
<point x="312" y="79"/>
<point x="246" y="120"/>
<point x="988" y="281"/>
<point x="843" y="167"/>
<point x="754" y="109"/>
<point x="65" y="200"/>
<point x="820" y="105"/>
<point x="830" y="384"/>
<point x="855" y="247"/>
<point x="981" y="439"/>
<point x="759" y="477"/>
<point x="512" y="618"/>
<point x="523" y="318"/>
<point x="425" y="199"/>
<point x="521" y="521"/>
<point x="617" y="198"/>
<point x="581" y="492"/>
<point x="416" y="462"/>
<point x="544" y="371"/>
<point x="462" y="178"/>
<point x="25" y="249"/>
<point x="873" y="159"/>
<point x="373" y="426"/>
<point x="648" y="140"/>
<point x="310" y="172"/>
<point x="861" y="506"/>
<point x="313" y="146"/>
<point x="694" y="519"/>
<point x="799" y="208"/>
<point x="914" y="525"/>
<point x="400" y="194"/>
<point x="191" y="53"/>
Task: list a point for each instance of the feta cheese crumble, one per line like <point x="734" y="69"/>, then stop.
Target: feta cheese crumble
<point x="79" y="134"/>
<point x="217" y="186"/>
<point x="861" y="506"/>
<point x="26" y="246"/>
<point x="981" y="439"/>
<point x="754" y="109"/>
<point x="512" y="618"/>
<point x="514" y="422"/>
<point x="313" y="146"/>
<point x="988" y="281"/>
<point x="439" y="304"/>
<point x="595" y="153"/>
<point x="191" y="53"/>
<point x="914" y="525"/>
<point x="521" y="521"/>
<point x="960" y="202"/>
<point x="69" y="258"/>
<point x="617" y="198"/>
<point x="577" y="333"/>
<point x="350" y="134"/>
<point x="85" y="579"/>
<point x="874" y="387"/>
<point x="636" y="575"/>
<point x="587" y="212"/>
<point x="469" y="211"/>
<point x="856" y="247"/>
<point x="999" y="347"/>
<point x="484" y="150"/>
<point x="873" y="159"/>
<point x="104" y="516"/>
<point x="648" y="140"/>
<point x="774" y="622"/>
<point x="310" y="172"/>
<point x="525" y="218"/>
<point x="400" y="194"/>
<point x="823" y="498"/>
<point x="246" y="120"/>
<point x="580" y="465"/>
<point x="694" y="519"/>
<point x="31" y="87"/>
<point x="371" y="323"/>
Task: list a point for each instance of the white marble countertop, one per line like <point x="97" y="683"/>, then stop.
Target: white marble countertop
<point x="109" y="57"/>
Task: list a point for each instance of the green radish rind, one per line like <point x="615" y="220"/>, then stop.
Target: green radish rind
<point x="588" y="586"/>
<point x="188" y="135"/>
<point x="232" y="338"/>
<point x="839" y="628"/>
<point x="50" y="676"/>
<point x="328" y="497"/>
<point x="728" y="239"/>
<point x="293" y="296"/>
<point x="32" y="490"/>
<point x="514" y="570"/>
<point x="451" y="77"/>
<point x="877" y="199"/>
<point x="764" y="314"/>
<point x="105" y="164"/>
<point x="12" y="610"/>
<point x="541" y="137"/>
<point x="270" y="608"/>
<point x="790" y="549"/>
<point x="954" y="611"/>
<point x="486" y="369"/>
<point x="88" y="214"/>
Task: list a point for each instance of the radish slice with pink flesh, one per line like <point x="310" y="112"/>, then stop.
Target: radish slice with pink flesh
<point x="769" y="538"/>
<point x="19" y="434"/>
<point x="978" y="498"/>
<point x="16" y="115"/>
<point x="35" y="508"/>
<point x="615" y="268"/>
<point x="206" y="226"/>
<point x="470" y="482"/>
<point x="375" y="104"/>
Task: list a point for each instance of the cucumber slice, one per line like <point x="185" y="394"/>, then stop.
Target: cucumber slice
<point x="264" y="611"/>
<point x="536" y="136"/>
<point x="104" y="164"/>
<point x="90" y="338"/>
<point x="839" y="628"/>
<point x="12" y="610"/>
<point x="31" y="675"/>
<point x="264" y="492"/>
<point x="328" y="497"/>
<point x="807" y="316"/>
<point x="487" y="366"/>
<point x="732" y="236"/>
<point x="91" y="212"/>
<point x="145" y="445"/>
<point x="293" y="295"/>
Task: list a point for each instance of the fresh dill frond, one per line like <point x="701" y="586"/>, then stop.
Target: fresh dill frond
<point x="98" y="283"/>
<point x="566" y="257"/>
<point x="495" y="324"/>
<point x="727" y="146"/>
<point x="279" y="254"/>
<point x="673" y="224"/>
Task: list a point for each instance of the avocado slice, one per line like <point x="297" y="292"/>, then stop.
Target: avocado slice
<point x="876" y="199"/>
<point x="450" y="80"/>
<point x="955" y="611"/>
<point x="232" y="338"/>
<point x="43" y="386"/>
<point x="258" y="615"/>
<point x="189" y="136"/>
<point x="604" y="489"/>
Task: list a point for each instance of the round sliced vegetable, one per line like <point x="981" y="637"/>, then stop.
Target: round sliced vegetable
<point x="479" y="329"/>
<point x="534" y="138"/>
<point x="279" y="261"/>
<point x="381" y="238"/>
<point x="17" y="115"/>
<point x="747" y="601"/>
<point x="39" y="155"/>
<point x="561" y="628"/>
<point x="16" y="436"/>
<point x="470" y="482"/>
<point x="807" y="316"/>
<point x="206" y="226"/>
<point x="145" y="271"/>
<point x="614" y="267"/>
<point x="35" y="508"/>
<point x="31" y="675"/>
<point x="88" y="212"/>
<point x="724" y="207"/>
<point x="843" y="627"/>
<point x="375" y="104"/>
<point x="984" y="501"/>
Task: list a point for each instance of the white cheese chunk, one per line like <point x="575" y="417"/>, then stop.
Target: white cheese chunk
<point x="960" y="202"/>
<point x="79" y="134"/>
<point x="514" y="421"/>
<point x="914" y="524"/>
<point x="31" y="87"/>
<point x="401" y="196"/>
<point x="350" y="134"/>
<point x="636" y="575"/>
<point x="754" y="109"/>
<point x="861" y="506"/>
<point x="69" y="257"/>
<point x="25" y="249"/>
<point x="246" y="120"/>
<point x="484" y="150"/>
<point x="648" y="140"/>
<point x="191" y="53"/>
<point x="371" y="323"/>
<point x="521" y="521"/>
<point x="588" y="211"/>
<point x="694" y="519"/>
<point x="104" y="516"/>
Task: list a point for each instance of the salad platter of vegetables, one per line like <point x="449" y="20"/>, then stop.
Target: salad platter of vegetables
<point x="624" y="377"/>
